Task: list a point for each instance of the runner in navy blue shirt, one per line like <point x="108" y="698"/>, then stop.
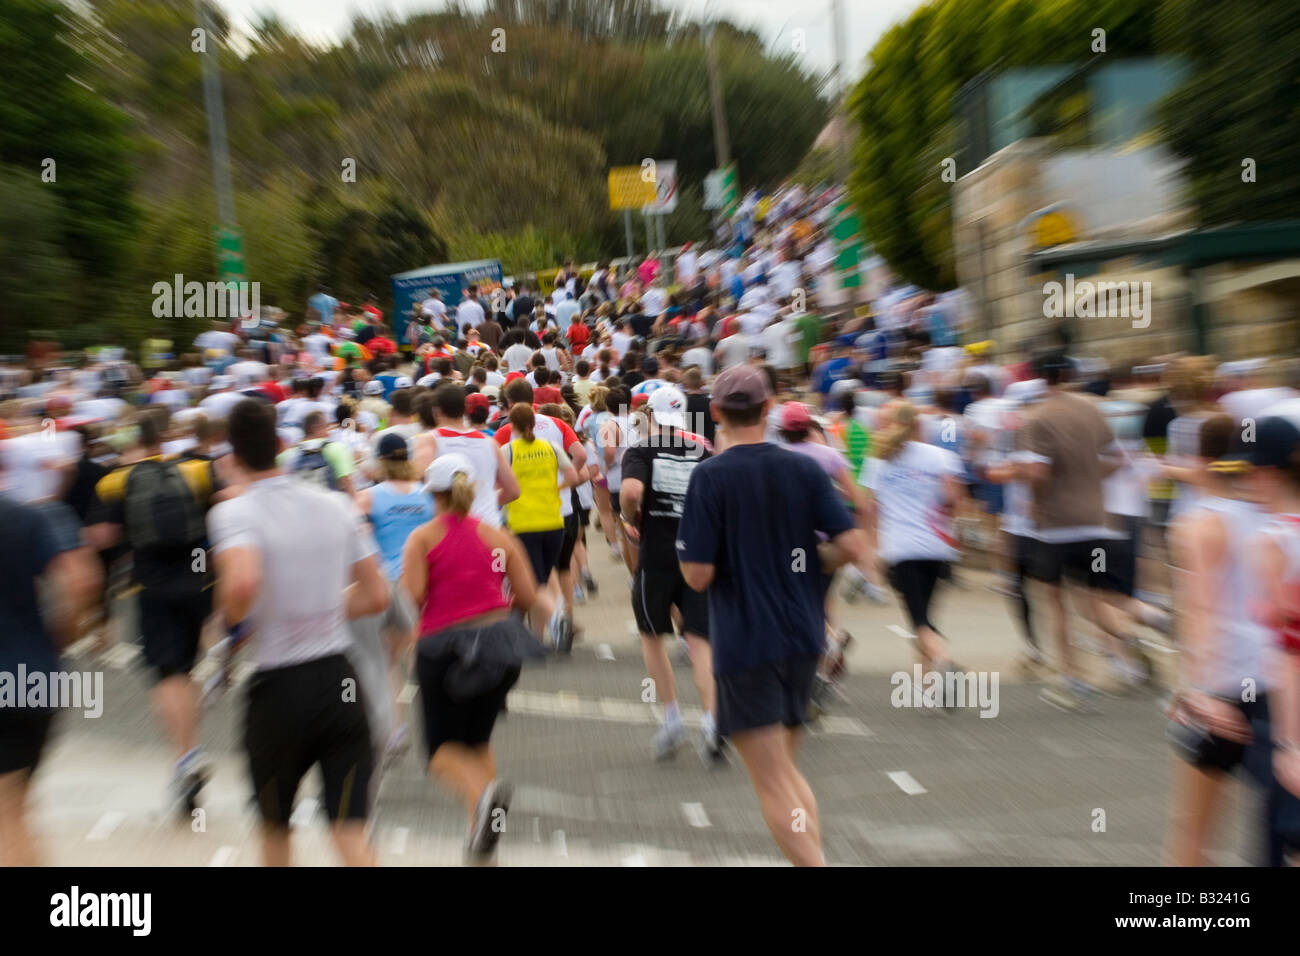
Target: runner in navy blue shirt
<point x="749" y="533"/>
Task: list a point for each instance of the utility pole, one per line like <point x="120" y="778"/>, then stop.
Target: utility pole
<point x="841" y="99"/>
<point x="212" y="101"/>
<point x="721" y="145"/>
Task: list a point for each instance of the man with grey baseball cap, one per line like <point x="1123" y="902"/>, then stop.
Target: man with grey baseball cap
<point x="759" y="529"/>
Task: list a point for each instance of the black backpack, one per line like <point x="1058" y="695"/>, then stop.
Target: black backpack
<point x="161" y="511"/>
<point x="312" y="466"/>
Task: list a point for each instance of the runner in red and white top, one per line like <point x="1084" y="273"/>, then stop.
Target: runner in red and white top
<point x="494" y="482"/>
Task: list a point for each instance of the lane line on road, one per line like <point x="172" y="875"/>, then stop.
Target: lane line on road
<point x="906" y="782"/>
<point x="695" y="815"/>
<point x="902" y="632"/>
<point x="105" y="825"/>
<point x="618" y="710"/>
<point x="400" y="835"/>
<point x="223" y="856"/>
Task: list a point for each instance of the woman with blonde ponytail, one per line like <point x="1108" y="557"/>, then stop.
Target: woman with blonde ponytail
<point x="915" y="486"/>
<point x="470" y="645"/>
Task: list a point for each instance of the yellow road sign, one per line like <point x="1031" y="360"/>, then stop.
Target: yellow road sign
<point x="627" y="188"/>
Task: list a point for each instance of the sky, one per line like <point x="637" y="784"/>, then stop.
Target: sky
<point x="775" y="20"/>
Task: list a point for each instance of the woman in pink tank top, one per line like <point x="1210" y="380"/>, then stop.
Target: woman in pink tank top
<point x="471" y="642"/>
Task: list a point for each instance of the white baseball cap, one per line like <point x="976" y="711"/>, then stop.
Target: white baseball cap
<point x="669" y="406"/>
<point x="440" y="475"/>
<point x="373" y="387"/>
<point x="403" y="381"/>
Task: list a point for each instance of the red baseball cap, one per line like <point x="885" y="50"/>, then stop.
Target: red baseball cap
<point x="511" y="376"/>
<point x="477" y="400"/>
<point x="795" y="417"/>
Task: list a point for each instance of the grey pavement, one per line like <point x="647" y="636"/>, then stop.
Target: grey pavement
<point x="895" y="785"/>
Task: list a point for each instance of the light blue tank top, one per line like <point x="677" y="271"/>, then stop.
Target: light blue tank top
<point x="394" y="516"/>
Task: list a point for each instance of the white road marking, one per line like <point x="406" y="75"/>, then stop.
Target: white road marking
<point x="632" y="629"/>
<point x="635" y="860"/>
<point x="121" y="656"/>
<point x="407" y="694"/>
<point x="695" y="815"/>
<point x="558" y="841"/>
<point x="400" y="835"/>
<point x="906" y="782"/>
<point x="901" y="632"/>
<point x="223" y="856"/>
<point x="604" y="652"/>
<point x="619" y="710"/>
<point x="105" y="825"/>
<point x="844" y="727"/>
<point x="82" y="646"/>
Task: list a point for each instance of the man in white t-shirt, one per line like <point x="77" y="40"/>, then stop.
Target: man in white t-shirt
<point x="248" y="371"/>
<point x="701" y="356"/>
<point x="435" y="309"/>
<point x="469" y="314"/>
<point x="517" y="357"/>
<point x="621" y="340"/>
<point x="219" y="337"/>
<point x="735" y="349"/>
<point x="222" y="398"/>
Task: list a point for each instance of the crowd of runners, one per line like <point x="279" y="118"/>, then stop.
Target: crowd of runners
<point x="355" y="500"/>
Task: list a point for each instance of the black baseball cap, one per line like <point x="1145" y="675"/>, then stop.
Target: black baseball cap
<point x="1276" y="439"/>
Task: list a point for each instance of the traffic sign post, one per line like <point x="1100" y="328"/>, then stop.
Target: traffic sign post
<point x="231" y="266"/>
<point x="665" y="187"/>
<point x="720" y="192"/>
<point x="627" y="188"/>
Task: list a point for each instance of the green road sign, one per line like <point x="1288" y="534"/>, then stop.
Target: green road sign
<point x="720" y="190"/>
<point x="848" y="244"/>
<point x="231" y="266"/>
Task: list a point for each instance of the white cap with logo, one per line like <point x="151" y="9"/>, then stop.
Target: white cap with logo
<point x="668" y="403"/>
<point x="442" y="473"/>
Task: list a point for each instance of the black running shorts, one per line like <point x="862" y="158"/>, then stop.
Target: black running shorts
<point x="774" y="693"/>
<point x="446" y="719"/>
<point x="655" y="592"/>
<point x="22" y="737"/>
<point x="302" y="715"/>
<point x="171" y="625"/>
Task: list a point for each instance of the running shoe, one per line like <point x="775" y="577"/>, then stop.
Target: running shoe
<point x="1070" y="695"/>
<point x="668" y="739"/>
<point x="560" y="631"/>
<point x="712" y="749"/>
<point x="876" y="594"/>
<point x="819" y="701"/>
<point x="579" y="596"/>
<point x="589" y="583"/>
<point x="191" y="776"/>
<point x="489" y="821"/>
<point x="855" y="585"/>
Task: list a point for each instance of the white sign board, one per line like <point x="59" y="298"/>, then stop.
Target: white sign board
<point x="665" y="188"/>
<point x="713" y="198"/>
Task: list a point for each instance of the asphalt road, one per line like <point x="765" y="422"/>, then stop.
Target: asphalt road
<point x="895" y="785"/>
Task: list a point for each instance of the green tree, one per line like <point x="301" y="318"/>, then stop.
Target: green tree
<point x="1241" y="100"/>
<point x="904" y="107"/>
